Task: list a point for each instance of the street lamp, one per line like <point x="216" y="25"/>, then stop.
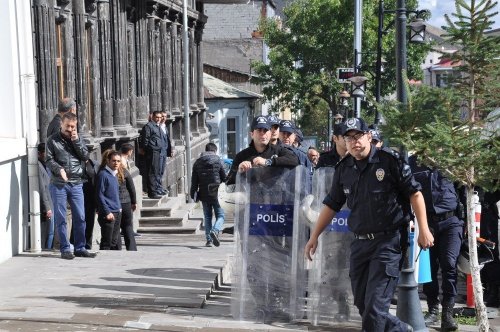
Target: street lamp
<point x="417" y="35"/>
<point x="358" y="85"/>
<point x="417" y="31"/>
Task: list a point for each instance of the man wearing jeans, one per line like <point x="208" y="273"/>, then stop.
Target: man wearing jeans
<point x="208" y="173"/>
<point x="65" y="157"/>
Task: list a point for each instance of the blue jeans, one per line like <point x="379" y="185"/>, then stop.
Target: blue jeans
<point x="74" y="194"/>
<point x="219" y="215"/>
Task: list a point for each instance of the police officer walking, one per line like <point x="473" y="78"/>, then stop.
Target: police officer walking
<point x="441" y="202"/>
<point x="373" y="182"/>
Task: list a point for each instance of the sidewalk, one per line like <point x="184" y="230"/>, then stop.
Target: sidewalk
<point x="165" y="286"/>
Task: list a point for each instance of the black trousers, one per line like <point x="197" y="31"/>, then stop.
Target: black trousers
<point x="153" y="166"/>
<point x="110" y="231"/>
<point x="126" y="226"/>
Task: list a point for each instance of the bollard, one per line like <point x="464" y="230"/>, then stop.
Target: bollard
<point x="409" y="309"/>
<point x="470" y="293"/>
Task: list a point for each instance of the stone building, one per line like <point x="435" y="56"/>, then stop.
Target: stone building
<point x="121" y="60"/>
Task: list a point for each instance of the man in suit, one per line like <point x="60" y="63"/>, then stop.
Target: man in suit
<point x="153" y="143"/>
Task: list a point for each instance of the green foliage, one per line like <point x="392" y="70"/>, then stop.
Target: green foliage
<point x="314" y="39"/>
<point x="431" y="127"/>
<point x="446" y="127"/>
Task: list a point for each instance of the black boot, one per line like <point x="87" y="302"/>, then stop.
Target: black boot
<point x="432" y="316"/>
<point x="448" y="323"/>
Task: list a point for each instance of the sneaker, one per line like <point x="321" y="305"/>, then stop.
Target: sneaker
<point x="67" y="255"/>
<point x="85" y="253"/>
<point x="215" y="238"/>
<point x="208" y="244"/>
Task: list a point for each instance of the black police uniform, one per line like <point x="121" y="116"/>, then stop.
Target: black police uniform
<point x="372" y="188"/>
<point x="440" y="203"/>
<point x="279" y="155"/>
<point x="328" y="158"/>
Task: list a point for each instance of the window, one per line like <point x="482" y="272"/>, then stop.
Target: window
<point x="231" y="137"/>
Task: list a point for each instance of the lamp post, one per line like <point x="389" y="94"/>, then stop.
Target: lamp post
<point x="417" y="35"/>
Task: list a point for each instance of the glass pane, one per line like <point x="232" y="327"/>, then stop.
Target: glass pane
<point x="231" y="124"/>
<point x="231" y="145"/>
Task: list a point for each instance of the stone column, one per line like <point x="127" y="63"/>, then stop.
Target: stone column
<point x="45" y="53"/>
<point x="94" y="75"/>
<point x="132" y="78"/>
<point x="105" y="67"/>
<point x="153" y="61"/>
<point x="166" y="67"/>
<point x="121" y="111"/>
<point x="141" y="51"/>
<point x="80" y="63"/>
<point x="199" y="74"/>
<point x="176" y="72"/>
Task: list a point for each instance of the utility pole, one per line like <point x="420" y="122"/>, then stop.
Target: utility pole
<point x="358" y="18"/>
<point x="187" y="125"/>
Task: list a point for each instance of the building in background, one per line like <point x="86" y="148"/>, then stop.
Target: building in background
<point x="231" y="111"/>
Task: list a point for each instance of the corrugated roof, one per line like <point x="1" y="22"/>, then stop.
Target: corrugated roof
<point x="213" y="88"/>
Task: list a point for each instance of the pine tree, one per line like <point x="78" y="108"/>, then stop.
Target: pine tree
<point x="433" y="126"/>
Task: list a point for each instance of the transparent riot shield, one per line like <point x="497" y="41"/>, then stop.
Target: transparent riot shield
<point x="268" y="273"/>
<point x="330" y="300"/>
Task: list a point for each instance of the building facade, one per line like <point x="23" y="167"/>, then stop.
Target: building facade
<point x="120" y="60"/>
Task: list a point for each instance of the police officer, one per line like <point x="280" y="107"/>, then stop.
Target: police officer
<point x="440" y="203"/>
<point x="338" y="151"/>
<point x="261" y="152"/>
<point x="288" y="135"/>
<point x="274" y="123"/>
<point x="377" y="139"/>
<point x="270" y="297"/>
<point x="372" y="182"/>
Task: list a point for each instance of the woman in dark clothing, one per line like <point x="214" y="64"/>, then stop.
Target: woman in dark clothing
<point x="129" y="204"/>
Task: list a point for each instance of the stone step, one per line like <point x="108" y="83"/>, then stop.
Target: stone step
<point x="149" y="202"/>
<point x="161" y="207"/>
<point x="175" y="218"/>
<point x="189" y="227"/>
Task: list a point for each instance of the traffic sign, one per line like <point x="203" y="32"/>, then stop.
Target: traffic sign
<point x="343" y="74"/>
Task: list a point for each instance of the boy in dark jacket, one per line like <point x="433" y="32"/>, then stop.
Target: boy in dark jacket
<point x="208" y="173"/>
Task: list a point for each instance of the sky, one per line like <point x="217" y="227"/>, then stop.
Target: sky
<point x="440" y="7"/>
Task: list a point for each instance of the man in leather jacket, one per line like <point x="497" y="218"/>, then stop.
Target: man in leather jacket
<point x="65" y="157"/>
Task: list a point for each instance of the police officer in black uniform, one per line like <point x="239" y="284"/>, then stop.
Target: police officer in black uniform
<point x="372" y="181"/>
<point x="440" y="203"/>
<point x="338" y="151"/>
<point x="261" y="152"/>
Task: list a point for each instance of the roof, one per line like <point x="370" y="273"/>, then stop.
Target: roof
<point x="213" y="88"/>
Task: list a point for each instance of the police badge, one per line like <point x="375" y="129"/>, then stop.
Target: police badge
<point x="380" y="173"/>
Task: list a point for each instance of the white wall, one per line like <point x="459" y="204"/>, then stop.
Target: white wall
<point x="15" y="35"/>
<point x="222" y="109"/>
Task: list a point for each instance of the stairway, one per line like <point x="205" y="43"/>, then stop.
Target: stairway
<point x="168" y="215"/>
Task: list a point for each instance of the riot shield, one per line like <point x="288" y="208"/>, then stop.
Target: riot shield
<point x="330" y="300"/>
<point x="268" y="273"/>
